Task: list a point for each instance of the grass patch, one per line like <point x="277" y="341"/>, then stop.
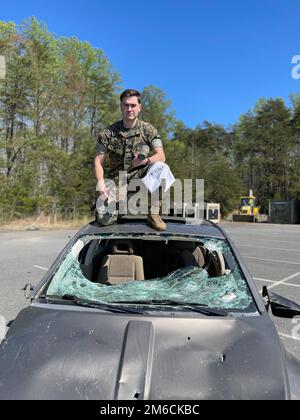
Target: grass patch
<point x="44" y="223"/>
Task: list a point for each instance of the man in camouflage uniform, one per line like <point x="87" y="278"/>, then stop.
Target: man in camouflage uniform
<point x="128" y="142"/>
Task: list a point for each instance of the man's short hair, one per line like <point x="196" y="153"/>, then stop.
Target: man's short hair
<point x="130" y="92"/>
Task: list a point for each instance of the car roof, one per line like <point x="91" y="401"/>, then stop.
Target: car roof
<point x="137" y="225"/>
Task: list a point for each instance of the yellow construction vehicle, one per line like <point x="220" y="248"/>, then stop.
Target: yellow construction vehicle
<point x="248" y="210"/>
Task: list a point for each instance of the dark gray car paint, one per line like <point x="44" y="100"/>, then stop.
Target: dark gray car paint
<point x="72" y="353"/>
<point x="67" y="352"/>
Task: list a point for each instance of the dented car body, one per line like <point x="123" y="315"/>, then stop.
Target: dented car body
<point x="126" y="312"/>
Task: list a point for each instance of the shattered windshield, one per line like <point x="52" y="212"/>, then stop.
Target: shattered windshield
<point x="144" y="270"/>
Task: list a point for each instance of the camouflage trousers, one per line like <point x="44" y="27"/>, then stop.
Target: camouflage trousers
<point x="124" y="198"/>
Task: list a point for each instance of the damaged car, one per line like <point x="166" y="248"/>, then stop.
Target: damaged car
<point x="126" y="312"/>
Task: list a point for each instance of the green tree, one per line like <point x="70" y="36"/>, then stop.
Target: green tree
<point x="156" y="111"/>
<point x="264" y="148"/>
<point x="222" y="185"/>
<point x="57" y="94"/>
<point x="205" y="153"/>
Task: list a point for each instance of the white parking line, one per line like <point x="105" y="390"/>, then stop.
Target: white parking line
<point x="41" y="268"/>
<point x="284" y="280"/>
<point x="273" y="281"/>
<point x="278" y="261"/>
<point x="260" y="279"/>
<point x="267" y="247"/>
<point x="275" y="235"/>
<point x="272" y="240"/>
<point x="288" y="336"/>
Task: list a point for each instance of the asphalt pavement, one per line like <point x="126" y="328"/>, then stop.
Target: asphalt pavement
<point x="271" y="252"/>
<point x="272" y="255"/>
<point x="25" y="256"/>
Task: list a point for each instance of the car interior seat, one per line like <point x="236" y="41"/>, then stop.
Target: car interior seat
<point x="211" y="261"/>
<point x="195" y="258"/>
<point x="216" y="267"/>
<point x="121" y="265"/>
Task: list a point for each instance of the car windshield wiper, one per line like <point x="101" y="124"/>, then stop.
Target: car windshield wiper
<point x="195" y="307"/>
<point x="90" y="303"/>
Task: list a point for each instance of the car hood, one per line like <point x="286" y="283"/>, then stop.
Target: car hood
<point x="55" y="352"/>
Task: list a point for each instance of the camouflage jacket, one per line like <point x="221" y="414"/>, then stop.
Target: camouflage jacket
<point x="121" y="144"/>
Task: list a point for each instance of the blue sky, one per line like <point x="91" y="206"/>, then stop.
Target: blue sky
<point x="213" y="58"/>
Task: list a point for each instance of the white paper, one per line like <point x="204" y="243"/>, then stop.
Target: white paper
<point x="156" y="173"/>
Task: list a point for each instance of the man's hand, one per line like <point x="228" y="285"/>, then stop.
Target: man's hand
<point x="138" y="162"/>
<point x="101" y="187"/>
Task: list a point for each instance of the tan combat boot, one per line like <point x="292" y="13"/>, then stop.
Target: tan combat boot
<point x="155" y="221"/>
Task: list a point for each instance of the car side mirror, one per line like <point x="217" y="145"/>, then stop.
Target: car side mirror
<point x="280" y="306"/>
<point x="28" y="288"/>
